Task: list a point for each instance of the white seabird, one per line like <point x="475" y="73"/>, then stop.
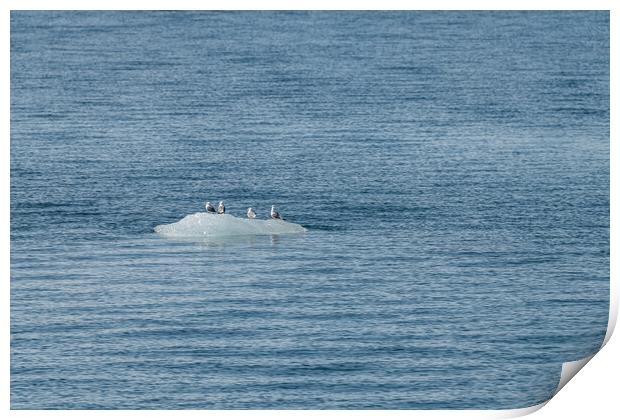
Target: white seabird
<point x="274" y="214"/>
<point x="251" y="214"/>
<point x="209" y="207"/>
<point x="221" y="209"/>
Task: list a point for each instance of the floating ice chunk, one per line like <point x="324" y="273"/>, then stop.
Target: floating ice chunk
<point x="220" y="225"/>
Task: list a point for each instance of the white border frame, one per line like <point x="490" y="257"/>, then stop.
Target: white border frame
<point x="599" y="381"/>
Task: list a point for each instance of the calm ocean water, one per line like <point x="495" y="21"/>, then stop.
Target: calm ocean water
<point x="452" y="169"/>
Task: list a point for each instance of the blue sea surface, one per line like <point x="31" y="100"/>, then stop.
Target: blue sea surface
<point x="452" y="170"/>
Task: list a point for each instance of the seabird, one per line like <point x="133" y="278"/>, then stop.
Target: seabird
<point x="209" y="207"/>
<point x="251" y="214"/>
<point x="274" y="213"/>
<point x="221" y="209"/>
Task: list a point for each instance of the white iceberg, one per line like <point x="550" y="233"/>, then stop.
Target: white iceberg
<point x="207" y="225"/>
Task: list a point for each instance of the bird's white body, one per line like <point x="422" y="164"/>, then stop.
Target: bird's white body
<point x="251" y="214"/>
<point x="221" y="209"/>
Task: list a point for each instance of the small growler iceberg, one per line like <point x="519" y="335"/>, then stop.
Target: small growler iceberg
<point x="208" y="225"/>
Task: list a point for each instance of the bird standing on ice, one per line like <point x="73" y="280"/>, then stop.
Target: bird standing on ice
<point x="209" y="207"/>
<point x="221" y="209"/>
<point x="274" y="213"/>
<point x="251" y="214"/>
